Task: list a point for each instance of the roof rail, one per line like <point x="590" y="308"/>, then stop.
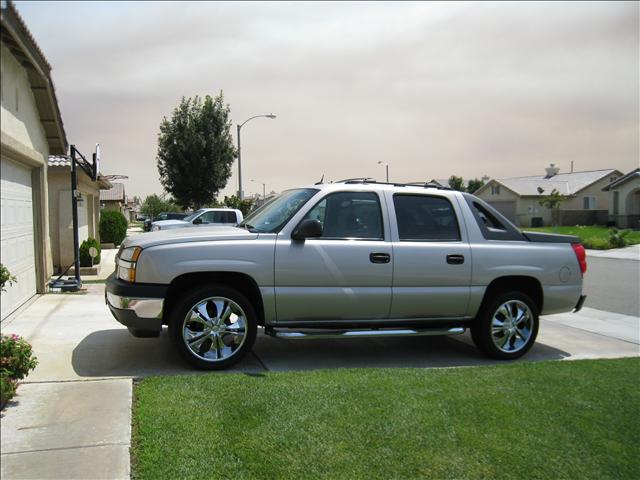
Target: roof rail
<point x="395" y="184"/>
<point x="357" y="180"/>
<point x="428" y="185"/>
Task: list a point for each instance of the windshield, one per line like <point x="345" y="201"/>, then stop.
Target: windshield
<point x="193" y="215"/>
<point x="273" y="215"/>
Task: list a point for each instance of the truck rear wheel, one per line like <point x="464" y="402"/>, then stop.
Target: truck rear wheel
<point x="507" y="326"/>
<point x="213" y="326"/>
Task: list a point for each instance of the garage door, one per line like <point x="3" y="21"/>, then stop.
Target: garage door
<point x="508" y="209"/>
<point x="17" y="245"/>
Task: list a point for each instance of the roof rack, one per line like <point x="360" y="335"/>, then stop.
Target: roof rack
<point x="428" y="185"/>
<point x="395" y="184"/>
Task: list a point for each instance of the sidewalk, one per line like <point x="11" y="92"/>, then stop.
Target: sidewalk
<point x="631" y="252"/>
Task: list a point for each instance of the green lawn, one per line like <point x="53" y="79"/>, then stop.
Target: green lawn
<point x="591" y="236"/>
<point x="578" y="419"/>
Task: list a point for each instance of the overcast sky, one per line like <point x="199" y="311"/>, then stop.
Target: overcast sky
<point x="434" y="89"/>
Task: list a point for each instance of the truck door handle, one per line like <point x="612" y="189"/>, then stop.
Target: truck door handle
<point x="379" y="257"/>
<point x="455" y="259"/>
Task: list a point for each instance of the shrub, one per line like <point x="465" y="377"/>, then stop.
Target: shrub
<point x="85" y="258"/>
<point x="16" y="360"/>
<point x="596" y="243"/>
<point x="113" y="227"/>
<point x="618" y="238"/>
<point x="6" y="277"/>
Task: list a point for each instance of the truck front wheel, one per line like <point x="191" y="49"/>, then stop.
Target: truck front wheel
<point x="213" y="326"/>
<point x="507" y="326"/>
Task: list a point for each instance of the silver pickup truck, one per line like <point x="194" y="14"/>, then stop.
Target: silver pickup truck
<point x="348" y="259"/>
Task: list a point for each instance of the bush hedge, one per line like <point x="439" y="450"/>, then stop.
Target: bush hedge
<point x="113" y="227"/>
<point x="16" y="360"/>
<point x="85" y="258"/>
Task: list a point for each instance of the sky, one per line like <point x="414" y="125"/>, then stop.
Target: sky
<point x="431" y="89"/>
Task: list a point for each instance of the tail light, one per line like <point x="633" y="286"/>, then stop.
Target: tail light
<point x="581" y="255"/>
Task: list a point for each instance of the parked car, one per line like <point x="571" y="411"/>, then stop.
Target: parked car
<point x="162" y="216"/>
<point x="348" y="259"/>
<point x="202" y="217"/>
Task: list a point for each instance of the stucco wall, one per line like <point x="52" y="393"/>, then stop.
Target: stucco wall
<point x="594" y="190"/>
<point x="61" y="218"/>
<point x="628" y="204"/>
<point x="24" y="141"/>
<point x="19" y="114"/>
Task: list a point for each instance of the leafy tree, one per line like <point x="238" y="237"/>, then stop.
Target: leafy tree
<point x="553" y="202"/>
<point x="457" y="183"/>
<point x="195" y="150"/>
<point x="153" y="205"/>
<point x="474" y="185"/>
<point x="234" y="202"/>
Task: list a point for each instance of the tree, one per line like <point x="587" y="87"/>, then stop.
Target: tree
<point x="153" y="205"/>
<point x="457" y="183"/>
<point x="195" y="150"/>
<point x="474" y="185"/>
<point x="243" y="205"/>
<point x="553" y="202"/>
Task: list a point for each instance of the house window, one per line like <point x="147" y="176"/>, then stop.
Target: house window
<point x="495" y="189"/>
<point x="616" y="203"/>
<point x="589" y="203"/>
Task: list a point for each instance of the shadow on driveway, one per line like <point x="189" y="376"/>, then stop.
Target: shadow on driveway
<point x="116" y="353"/>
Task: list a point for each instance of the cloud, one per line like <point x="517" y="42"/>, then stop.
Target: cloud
<point x="432" y="88"/>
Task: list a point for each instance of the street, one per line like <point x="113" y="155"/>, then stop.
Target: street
<point x="613" y="285"/>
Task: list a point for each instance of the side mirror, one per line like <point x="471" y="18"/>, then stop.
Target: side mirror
<point x="307" y="229"/>
<point x="197" y="221"/>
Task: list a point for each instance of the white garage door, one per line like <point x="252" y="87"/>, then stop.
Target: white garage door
<point x="17" y="245"/>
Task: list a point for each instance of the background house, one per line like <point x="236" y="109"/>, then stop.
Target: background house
<point x="114" y="198"/>
<point x="624" y="200"/>
<point x="60" y="215"/>
<point x="518" y="198"/>
<point x="31" y="130"/>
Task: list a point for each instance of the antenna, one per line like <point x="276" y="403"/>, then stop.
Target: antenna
<point x="321" y="180"/>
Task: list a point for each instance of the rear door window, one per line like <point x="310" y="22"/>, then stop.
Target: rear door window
<point x="425" y="218"/>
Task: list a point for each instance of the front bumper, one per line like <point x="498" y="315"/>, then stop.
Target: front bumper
<point x="136" y="306"/>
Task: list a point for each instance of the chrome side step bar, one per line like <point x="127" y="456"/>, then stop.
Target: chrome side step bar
<point x="405" y="332"/>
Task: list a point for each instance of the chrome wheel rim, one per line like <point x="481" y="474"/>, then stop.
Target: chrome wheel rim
<point x="512" y="326"/>
<point x="214" y="329"/>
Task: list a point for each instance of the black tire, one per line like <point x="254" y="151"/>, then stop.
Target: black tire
<point x="481" y="330"/>
<point x="178" y="320"/>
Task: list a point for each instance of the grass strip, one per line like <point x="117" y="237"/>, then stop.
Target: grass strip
<point x="578" y="419"/>
<point x="591" y="236"/>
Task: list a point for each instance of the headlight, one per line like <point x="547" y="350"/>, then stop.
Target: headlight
<point x="126" y="263"/>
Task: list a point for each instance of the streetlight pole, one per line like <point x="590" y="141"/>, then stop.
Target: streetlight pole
<point x="387" y="167"/>
<point x="240" y="193"/>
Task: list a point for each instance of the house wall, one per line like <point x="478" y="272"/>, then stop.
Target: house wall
<point x="628" y="204"/>
<point x="594" y="190"/>
<point x="112" y="205"/>
<point x="61" y="217"/>
<point x="24" y="141"/>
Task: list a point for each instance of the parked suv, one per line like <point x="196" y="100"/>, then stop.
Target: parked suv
<point x="347" y="259"/>
<point x="202" y="217"/>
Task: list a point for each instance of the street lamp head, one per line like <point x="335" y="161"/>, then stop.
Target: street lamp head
<point x="271" y="116"/>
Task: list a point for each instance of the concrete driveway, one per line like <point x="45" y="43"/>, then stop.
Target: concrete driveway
<point x="72" y="417"/>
